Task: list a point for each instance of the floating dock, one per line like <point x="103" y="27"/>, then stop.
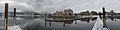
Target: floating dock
<point x="59" y="20"/>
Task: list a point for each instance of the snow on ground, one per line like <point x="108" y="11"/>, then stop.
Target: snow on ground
<point x="98" y="25"/>
<point x="14" y="27"/>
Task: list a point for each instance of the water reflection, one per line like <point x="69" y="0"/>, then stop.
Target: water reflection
<point x="81" y="24"/>
<point x="27" y="17"/>
<point x="73" y="21"/>
<point x="112" y="18"/>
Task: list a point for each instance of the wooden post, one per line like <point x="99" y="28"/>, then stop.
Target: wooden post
<point x="104" y="18"/>
<point x="64" y="24"/>
<point x="45" y="23"/>
<point x="104" y="12"/>
<point x="50" y="24"/>
<point x="6" y="17"/>
<point x="14" y="17"/>
<point x="75" y="22"/>
<point x="100" y="15"/>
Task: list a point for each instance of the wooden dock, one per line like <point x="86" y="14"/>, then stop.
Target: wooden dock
<point x="59" y="20"/>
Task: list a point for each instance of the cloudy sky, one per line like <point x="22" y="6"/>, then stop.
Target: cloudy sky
<point x="58" y="5"/>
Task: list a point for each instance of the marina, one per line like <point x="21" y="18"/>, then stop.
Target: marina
<point x="67" y="18"/>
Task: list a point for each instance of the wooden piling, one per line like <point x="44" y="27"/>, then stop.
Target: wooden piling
<point x="104" y="12"/>
<point x="64" y="24"/>
<point x="14" y="17"/>
<point x="6" y="17"/>
<point x="75" y="22"/>
<point x="45" y="23"/>
<point x="50" y="24"/>
<point x="100" y="15"/>
<point x="104" y="18"/>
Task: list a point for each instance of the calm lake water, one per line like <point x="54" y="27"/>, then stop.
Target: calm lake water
<point x="41" y="24"/>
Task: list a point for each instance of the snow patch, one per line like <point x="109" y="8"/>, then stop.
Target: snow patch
<point x="99" y="25"/>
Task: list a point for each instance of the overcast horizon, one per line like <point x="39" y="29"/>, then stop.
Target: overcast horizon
<point x="50" y="6"/>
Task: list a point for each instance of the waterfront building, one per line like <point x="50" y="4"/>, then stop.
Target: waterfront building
<point x="84" y="13"/>
<point x="65" y="13"/>
<point x="93" y="13"/>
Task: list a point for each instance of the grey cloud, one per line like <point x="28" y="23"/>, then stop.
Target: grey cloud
<point x="76" y="5"/>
